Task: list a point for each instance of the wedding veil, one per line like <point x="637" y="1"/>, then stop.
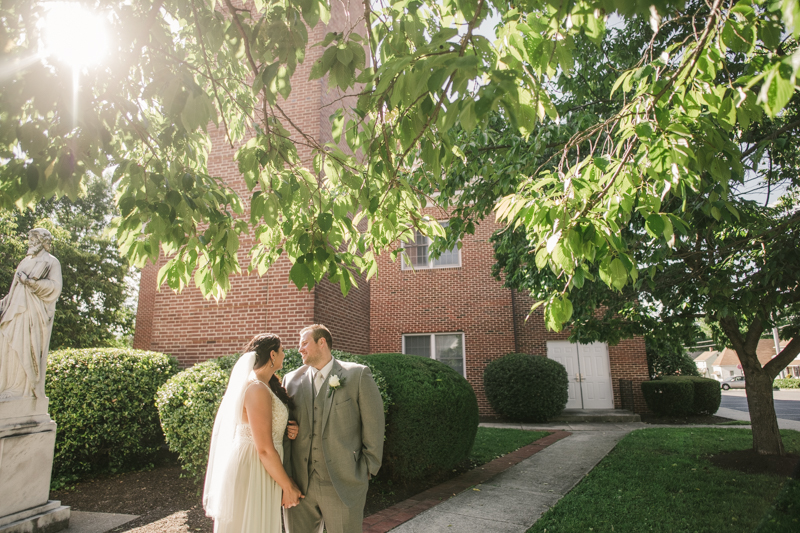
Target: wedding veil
<point x="218" y="490"/>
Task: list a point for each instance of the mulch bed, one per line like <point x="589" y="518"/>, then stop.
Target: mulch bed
<point x="167" y="503"/>
<point x="750" y="462"/>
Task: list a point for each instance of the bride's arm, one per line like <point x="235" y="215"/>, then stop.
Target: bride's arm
<point x="258" y="408"/>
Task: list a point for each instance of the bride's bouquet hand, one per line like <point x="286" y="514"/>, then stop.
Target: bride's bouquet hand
<point x="291" y="496"/>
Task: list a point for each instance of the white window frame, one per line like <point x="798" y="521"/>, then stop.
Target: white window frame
<point x="404" y="264"/>
<point x="432" y="337"/>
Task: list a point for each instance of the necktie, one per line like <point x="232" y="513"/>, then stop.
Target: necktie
<point x="318" y="379"/>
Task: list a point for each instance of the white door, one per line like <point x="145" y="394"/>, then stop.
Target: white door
<point x="567" y="354"/>
<point x="588" y="371"/>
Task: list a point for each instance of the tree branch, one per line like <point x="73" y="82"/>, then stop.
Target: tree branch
<point x="782" y="360"/>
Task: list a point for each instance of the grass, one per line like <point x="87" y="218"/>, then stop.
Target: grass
<point x="661" y="480"/>
<point x="735" y="423"/>
<point x="491" y="443"/>
<point x="784" y="516"/>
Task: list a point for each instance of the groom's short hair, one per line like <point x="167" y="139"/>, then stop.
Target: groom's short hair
<point x="318" y="331"/>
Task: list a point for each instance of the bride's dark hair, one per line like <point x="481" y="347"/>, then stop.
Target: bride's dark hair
<point x="264" y="344"/>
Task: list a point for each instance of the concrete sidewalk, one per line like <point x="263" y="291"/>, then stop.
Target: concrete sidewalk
<point x="743" y="415"/>
<point x="513" y="500"/>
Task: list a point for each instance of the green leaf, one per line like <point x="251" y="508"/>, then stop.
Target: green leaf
<point x="654" y="225"/>
<point x="467" y="117"/>
<point x="325" y="222"/>
<point x="619" y="275"/>
<point x="301" y="276"/>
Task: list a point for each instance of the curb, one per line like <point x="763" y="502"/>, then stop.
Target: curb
<point x="389" y="518"/>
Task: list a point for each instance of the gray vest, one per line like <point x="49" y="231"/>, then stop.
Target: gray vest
<point x="316" y="459"/>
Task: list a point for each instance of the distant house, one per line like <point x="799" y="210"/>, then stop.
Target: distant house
<point x="705" y="362"/>
<point x="725" y="364"/>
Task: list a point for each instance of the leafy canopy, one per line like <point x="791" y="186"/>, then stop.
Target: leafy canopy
<point x="667" y="152"/>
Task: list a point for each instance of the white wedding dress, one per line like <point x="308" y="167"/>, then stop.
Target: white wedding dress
<point x="240" y="495"/>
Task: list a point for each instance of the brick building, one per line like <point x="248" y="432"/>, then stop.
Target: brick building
<point x="451" y="309"/>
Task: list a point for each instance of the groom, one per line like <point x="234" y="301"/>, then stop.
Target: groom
<point x="339" y="411"/>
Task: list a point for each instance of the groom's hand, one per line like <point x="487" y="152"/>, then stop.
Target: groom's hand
<point x="292" y="429"/>
<point x="291" y="496"/>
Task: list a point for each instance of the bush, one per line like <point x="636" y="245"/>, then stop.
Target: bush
<point x="787" y="383"/>
<point x="707" y="395"/>
<point x="103" y="402"/>
<point x="431" y="425"/>
<point x="188" y="403"/>
<point x="526" y="387"/>
<point x="682" y="395"/>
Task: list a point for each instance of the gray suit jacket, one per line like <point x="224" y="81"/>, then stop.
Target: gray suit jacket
<point x="352" y="431"/>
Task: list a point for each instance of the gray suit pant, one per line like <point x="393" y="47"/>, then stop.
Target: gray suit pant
<point x="322" y="507"/>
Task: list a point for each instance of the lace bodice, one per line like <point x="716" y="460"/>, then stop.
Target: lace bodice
<point x="280" y="417"/>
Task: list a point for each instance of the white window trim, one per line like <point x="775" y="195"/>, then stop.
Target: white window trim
<point x="405" y="266"/>
<point x="433" y="346"/>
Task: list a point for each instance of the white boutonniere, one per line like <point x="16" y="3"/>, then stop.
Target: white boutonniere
<point x="334" y="383"/>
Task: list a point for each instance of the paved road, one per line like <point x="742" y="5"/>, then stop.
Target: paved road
<point x="787" y="402"/>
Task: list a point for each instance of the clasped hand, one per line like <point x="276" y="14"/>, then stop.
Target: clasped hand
<point x="292" y="429"/>
<point x="291" y="497"/>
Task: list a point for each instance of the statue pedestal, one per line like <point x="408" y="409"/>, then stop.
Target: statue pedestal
<point x="27" y="444"/>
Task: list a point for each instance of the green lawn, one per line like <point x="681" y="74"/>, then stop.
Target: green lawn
<point x="491" y="443"/>
<point x="660" y="480"/>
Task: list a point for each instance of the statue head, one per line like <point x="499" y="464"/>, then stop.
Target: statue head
<point x="39" y="238"/>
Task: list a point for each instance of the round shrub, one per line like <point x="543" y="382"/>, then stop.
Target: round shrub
<point x="528" y="388"/>
<point x="707" y="395"/>
<point x="188" y="403"/>
<point x="432" y="422"/>
<point x="682" y="395"/>
<point x="103" y="402"/>
<point x="670" y="397"/>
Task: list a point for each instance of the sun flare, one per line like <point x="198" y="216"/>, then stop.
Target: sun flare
<point x="75" y="35"/>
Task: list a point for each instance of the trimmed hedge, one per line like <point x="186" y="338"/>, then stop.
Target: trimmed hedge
<point x="682" y="395"/>
<point x="103" y="402"/>
<point x="707" y="394"/>
<point x="431" y="426"/>
<point x="529" y="388"/>
<point x="188" y="403"/>
<point x="787" y="383"/>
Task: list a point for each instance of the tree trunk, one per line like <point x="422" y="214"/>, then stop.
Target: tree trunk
<point x="766" y="437"/>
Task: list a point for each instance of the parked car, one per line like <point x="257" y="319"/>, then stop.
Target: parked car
<point x="736" y="382"/>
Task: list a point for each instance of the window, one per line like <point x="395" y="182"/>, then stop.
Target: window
<point x="447" y="348"/>
<point x="731" y="372"/>
<point x="418" y="256"/>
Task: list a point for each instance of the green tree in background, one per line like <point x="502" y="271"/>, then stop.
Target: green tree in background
<point x="637" y="263"/>
<point x="92" y="310"/>
<point x="644" y="194"/>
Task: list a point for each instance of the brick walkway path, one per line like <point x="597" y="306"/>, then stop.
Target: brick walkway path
<point x="406" y="510"/>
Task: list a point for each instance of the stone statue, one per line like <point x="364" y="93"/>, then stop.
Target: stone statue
<point x="26" y="319"/>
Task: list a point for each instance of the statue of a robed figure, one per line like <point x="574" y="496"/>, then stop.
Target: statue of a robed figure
<point x="27" y="434"/>
<point x="26" y="319"/>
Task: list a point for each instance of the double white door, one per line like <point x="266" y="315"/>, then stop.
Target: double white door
<point x="588" y="371"/>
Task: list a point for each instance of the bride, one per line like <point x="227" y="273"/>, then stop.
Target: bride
<point x="245" y="474"/>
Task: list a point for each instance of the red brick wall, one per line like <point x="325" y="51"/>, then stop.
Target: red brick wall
<point x="372" y="318"/>
<point x="465" y="299"/>
<point x="469" y="300"/>
<point x="145" y="307"/>
<point x="194" y="329"/>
